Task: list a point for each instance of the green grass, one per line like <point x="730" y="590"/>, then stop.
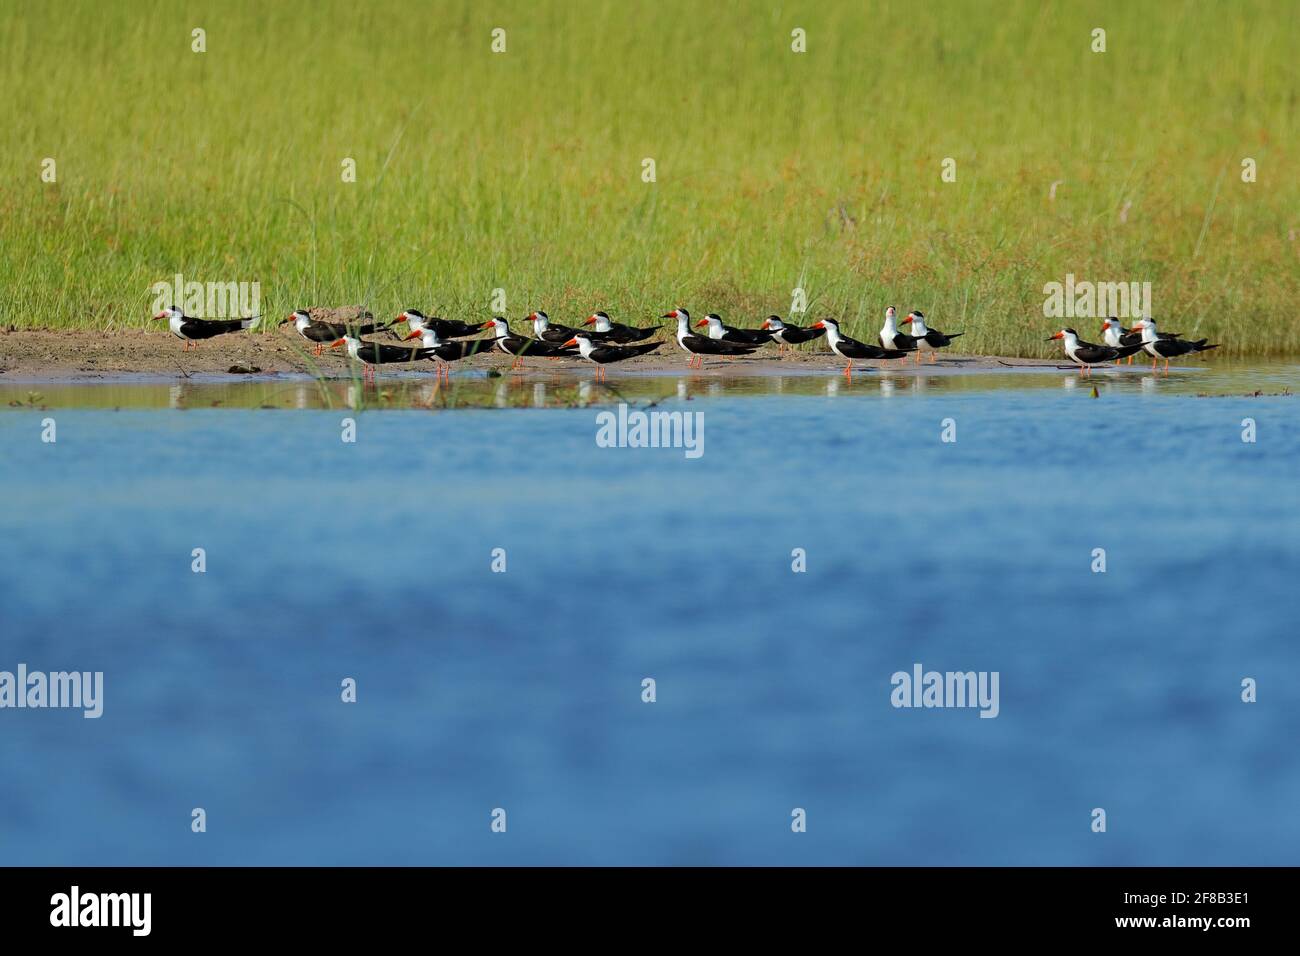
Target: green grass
<point x="522" y="170"/>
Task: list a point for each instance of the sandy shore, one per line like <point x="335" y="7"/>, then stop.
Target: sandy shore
<point x="36" y="355"/>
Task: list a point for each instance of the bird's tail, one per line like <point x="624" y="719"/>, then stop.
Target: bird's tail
<point x="953" y="335"/>
<point x="1202" y="347"/>
<point x="250" y="323"/>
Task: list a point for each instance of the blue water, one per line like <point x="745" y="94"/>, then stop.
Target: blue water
<point x="522" y="690"/>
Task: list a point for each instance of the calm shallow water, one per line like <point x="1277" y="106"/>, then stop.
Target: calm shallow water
<point x="522" y="690"/>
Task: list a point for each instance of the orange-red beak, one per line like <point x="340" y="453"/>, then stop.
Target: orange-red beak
<point x="766" y="324"/>
<point x="568" y="343"/>
<point x="487" y="325"/>
<point x="701" y="323"/>
<point x="906" y="321"/>
<point x="819" y="325"/>
<point x="1058" y="335"/>
<point x="414" y="335"/>
<point x="163" y="315"/>
<point x="338" y="343"/>
<point x="669" y="315"/>
<point x="590" y="321"/>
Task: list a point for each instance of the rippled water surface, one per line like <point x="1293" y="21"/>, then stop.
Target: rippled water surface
<point x="523" y="690"/>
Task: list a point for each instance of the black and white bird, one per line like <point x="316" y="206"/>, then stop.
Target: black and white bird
<point x="928" y="339"/>
<point x="785" y="335"/>
<point x="519" y="346"/>
<point x="698" y="346"/>
<point x="607" y="330"/>
<point x="416" y="321"/>
<point x="322" y="333"/>
<point x="446" y="352"/>
<point x="726" y="333"/>
<point x="1115" y="335"/>
<point x="603" y="355"/>
<point x="371" y="354"/>
<point x="850" y="349"/>
<point x="1160" y="348"/>
<point x="1087" y="354"/>
<point x="891" y="338"/>
<point x="196" y="330"/>
<point x="548" y="331"/>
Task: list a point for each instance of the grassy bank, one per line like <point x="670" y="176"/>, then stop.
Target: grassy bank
<point x="522" y="171"/>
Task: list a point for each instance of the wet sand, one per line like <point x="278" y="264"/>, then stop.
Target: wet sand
<point x="46" y="356"/>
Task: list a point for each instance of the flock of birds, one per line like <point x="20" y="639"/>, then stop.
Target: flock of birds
<point x="444" y="341"/>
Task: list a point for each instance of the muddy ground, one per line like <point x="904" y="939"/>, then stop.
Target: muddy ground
<point x="35" y="355"/>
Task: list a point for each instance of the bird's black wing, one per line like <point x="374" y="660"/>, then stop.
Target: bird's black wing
<point x="936" y="339"/>
<point x="452" y="328"/>
<point x="558" y="334"/>
<point x="624" y="334"/>
<point x="855" y="349"/>
<point x="521" y="346"/>
<point x="612" y="353"/>
<point x="207" y="328"/>
<point x="322" y="332"/>
<point x="702" y="345"/>
<point x="747" y="336"/>
<point x="1090" y="354"/>
<point x="904" y="342"/>
<point x="377" y="354"/>
<point x="452" y="351"/>
<point x="794" y="335"/>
